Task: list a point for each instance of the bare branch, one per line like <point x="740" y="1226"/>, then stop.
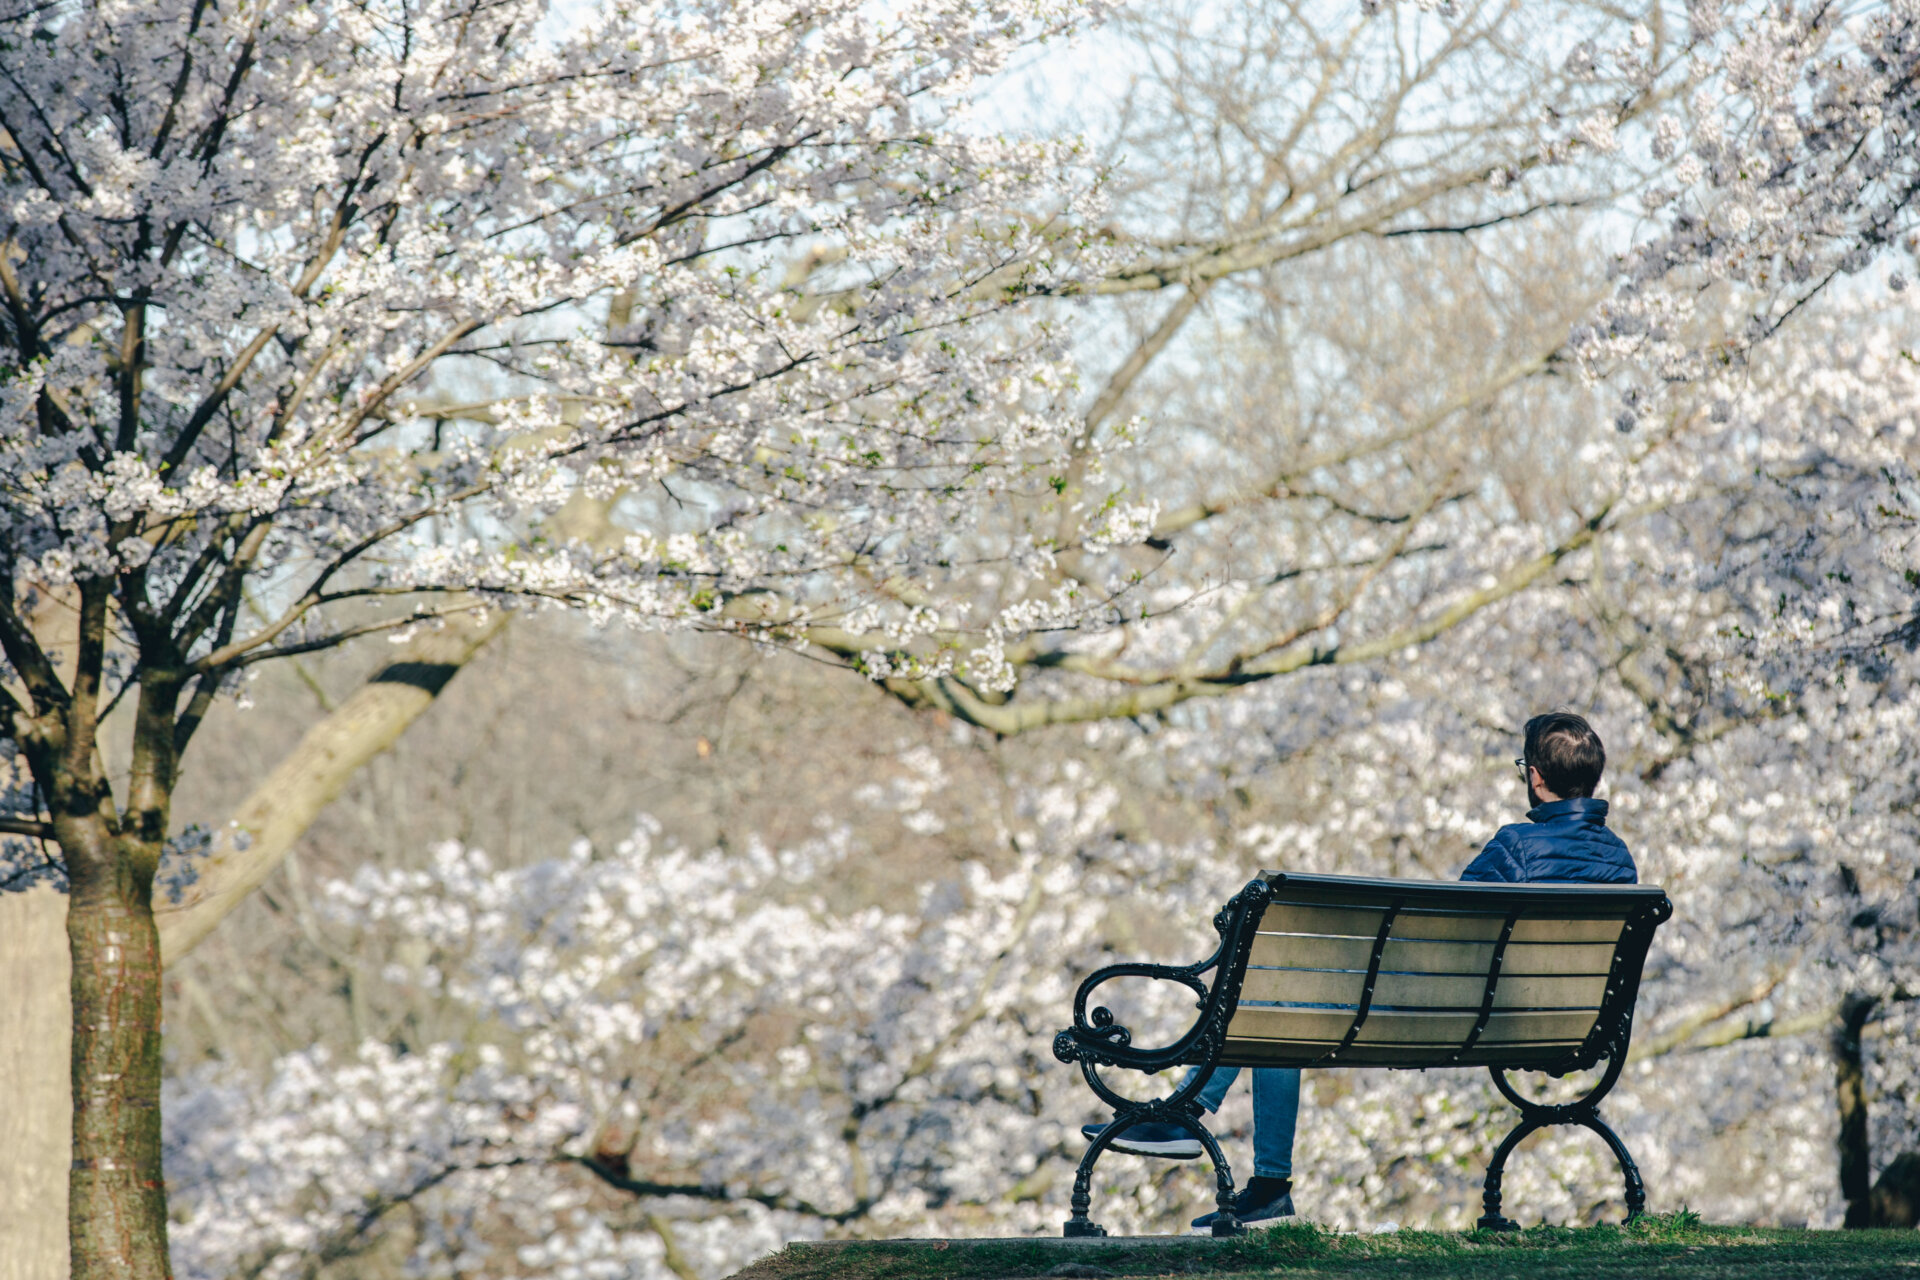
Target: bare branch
<point x="1681" y="1034"/>
<point x="1474" y="397"/>
<point x="1159" y="691"/>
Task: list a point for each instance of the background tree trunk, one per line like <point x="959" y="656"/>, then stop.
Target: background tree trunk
<point x="36" y="1026"/>
<point x="1850" y="1084"/>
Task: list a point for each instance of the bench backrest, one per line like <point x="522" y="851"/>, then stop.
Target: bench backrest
<point x="1346" y="971"/>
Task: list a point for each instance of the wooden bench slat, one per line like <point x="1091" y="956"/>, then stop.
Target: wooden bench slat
<point x="1600" y="929"/>
<point x="1537" y="991"/>
<point x="1259" y="1053"/>
<point x="1303" y="986"/>
<point x="1298" y="951"/>
<point x="1350" y="922"/>
<point x="1355" y="922"/>
<point x="1446" y="991"/>
<point x="1557" y="959"/>
<point x="1443" y="1030"/>
<point x="1292" y="951"/>
<point x="1417" y="925"/>
<point x="1395" y="1027"/>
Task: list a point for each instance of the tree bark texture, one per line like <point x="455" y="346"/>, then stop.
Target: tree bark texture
<point x="117" y="1202"/>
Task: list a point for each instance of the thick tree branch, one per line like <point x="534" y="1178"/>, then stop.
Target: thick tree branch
<point x="31" y="663"/>
<point x="1109" y="399"/>
<point x="1271" y="245"/>
<point x="1681" y="1034"/>
<point x="285" y="803"/>
<point x="1143" y="355"/>
<point x="1733" y="1030"/>
<point x="725" y="1195"/>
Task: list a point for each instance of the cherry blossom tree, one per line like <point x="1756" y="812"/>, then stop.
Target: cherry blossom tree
<point x="1769" y="292"/>
<point x="1769" y="296"/>
<point x="1305" y="360"/>
<point x="316" y="315"/>
<point x="1790" y="166"/>
<point x="611" y="992"/>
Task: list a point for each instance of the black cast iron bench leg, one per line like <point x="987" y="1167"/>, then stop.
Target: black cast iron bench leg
<point x="1584" y="1112"/>
<point x="1081" y="1226"/>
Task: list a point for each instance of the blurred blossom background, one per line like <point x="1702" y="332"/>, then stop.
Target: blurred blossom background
<point x="1409" y="393"/>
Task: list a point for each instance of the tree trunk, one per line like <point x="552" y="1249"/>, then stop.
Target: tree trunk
<point x="1850" y="1085"/>
<point x="36" y="1020"/>
<point x="117" y="1203"/>
<point x="1896" y="1197"/>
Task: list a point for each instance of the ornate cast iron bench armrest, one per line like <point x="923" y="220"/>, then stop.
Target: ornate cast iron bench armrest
<point x="1096" y="1040"/>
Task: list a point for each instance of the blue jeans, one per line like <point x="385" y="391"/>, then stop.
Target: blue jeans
<point x="1276" y="1113"/>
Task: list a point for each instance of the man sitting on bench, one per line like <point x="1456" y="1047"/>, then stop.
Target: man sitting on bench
<point x="1565" y="838"/>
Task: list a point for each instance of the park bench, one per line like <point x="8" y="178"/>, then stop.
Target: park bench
<point x="1339" y="971"/>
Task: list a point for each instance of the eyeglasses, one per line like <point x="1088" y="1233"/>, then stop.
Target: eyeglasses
<point x="1521" y="764"/>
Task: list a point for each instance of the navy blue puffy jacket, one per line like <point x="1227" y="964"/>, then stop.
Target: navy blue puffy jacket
<point x="1560" y="840"/>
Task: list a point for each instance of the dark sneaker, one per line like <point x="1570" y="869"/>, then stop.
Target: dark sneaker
<point x="1277" y="1205"/>
<point x="1149" y="1138"/>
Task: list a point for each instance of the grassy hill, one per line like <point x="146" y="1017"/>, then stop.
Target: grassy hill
<point x="1676" y="1246"/>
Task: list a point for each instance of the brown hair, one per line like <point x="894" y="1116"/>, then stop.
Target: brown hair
<point x="1567" y="752"/>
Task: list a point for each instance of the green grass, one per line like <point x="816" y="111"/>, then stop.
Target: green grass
<point x="1676" y="1245"/>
